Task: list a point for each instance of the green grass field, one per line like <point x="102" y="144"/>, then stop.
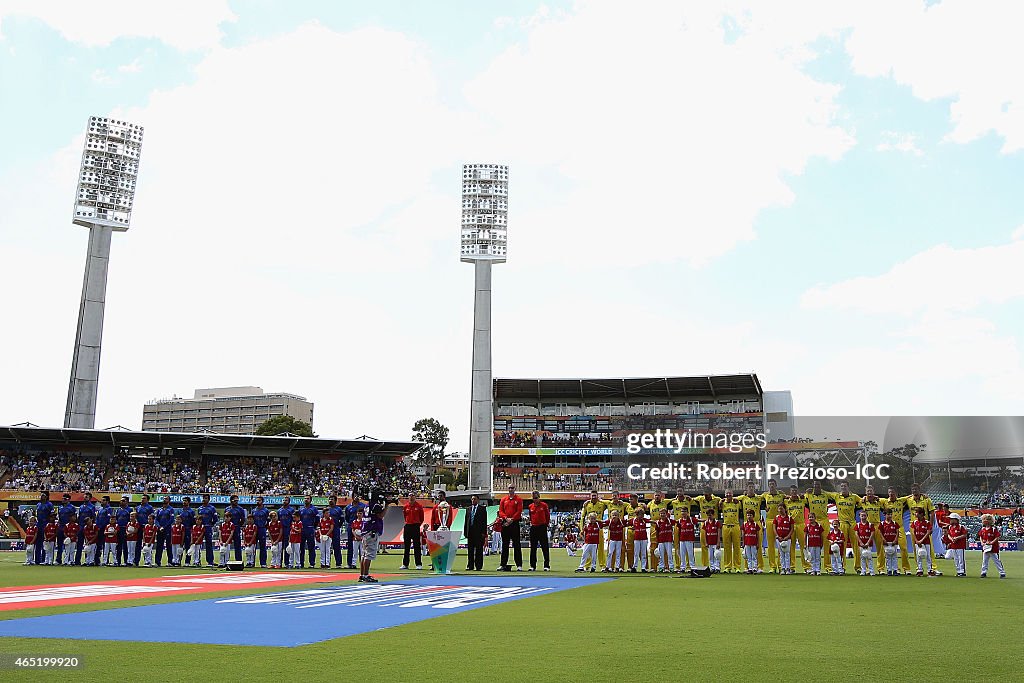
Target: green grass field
<point x="636" y="627"/>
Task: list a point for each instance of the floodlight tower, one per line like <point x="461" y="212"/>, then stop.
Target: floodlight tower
<point x="484" y="234"/>
<point x="106" y="191"/>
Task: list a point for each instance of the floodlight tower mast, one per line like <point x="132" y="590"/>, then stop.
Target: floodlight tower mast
<point x="484" y="235"/>
<point x="106" y="192"/>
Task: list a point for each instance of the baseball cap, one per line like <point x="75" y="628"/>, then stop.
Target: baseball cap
<point x="954" y="516"/>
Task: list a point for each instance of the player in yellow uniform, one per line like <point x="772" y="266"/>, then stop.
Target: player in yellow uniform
<point x="773" y="497"/>
<point x="846" y="509"/>
<point x="706" y="502"/>
<point x="654" y="509"/>
<point x="596" y="506"/>
<point x="676" y="506"/>
<point x="896" y="505"/>
<point x="872" y="507"/>
<point x="631" y="506"/>
<point x="795" y="506"/>
<point x="622" y="507"/>
<point x="732" y="509"/>
<point x="817" y="502"/>
<point x="752" y="502"/>
<point x="915" y="500"/>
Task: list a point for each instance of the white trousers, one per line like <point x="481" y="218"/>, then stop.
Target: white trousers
<point x="640" y="554"/>
<point x="589" y="553"/>
<point x="665" y="557"/>
<point x="750" y="553"/>
<point x="814" y="554"/>
<point x="686" y="554"/>
<point x="614" y="557"/>
<point x="995" y="558"/>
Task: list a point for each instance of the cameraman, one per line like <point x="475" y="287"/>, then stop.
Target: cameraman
<point x="373" y="527"/>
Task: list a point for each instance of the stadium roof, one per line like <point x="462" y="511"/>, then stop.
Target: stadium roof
<point x="120" y="437"/>
<point x="667" y="388"/>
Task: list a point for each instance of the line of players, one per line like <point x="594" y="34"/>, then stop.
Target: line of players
<point x="663" y="534"/>
<point x="102" y="535"/>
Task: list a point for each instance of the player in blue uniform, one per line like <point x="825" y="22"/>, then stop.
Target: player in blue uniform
<point x="86" y="511"/>
<point x="64" y="514"/>
<point x="337" y="513"/>
<point x="142" y="513"/>
<point x="188" y="520"/>
<point x="164" y="521"/>
<point x="44" y="508"/>
<point x="260" y="515"/>
<point x="208" y="515"/>
<point x="351" y="542"/>
<point x="122" y="515"/>
<point x="104" y="513"/>
<point x="284" y="515"/>
<point x="237" y="514"/>
<point x="310" y="518"/>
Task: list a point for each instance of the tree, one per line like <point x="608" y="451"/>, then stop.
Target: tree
<point x="284" y="423"/>
<point x="435" y="436"/>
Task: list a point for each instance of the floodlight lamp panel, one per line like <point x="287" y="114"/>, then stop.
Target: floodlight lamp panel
<point x="484" y="213"/>
<point x="108" y="173"/>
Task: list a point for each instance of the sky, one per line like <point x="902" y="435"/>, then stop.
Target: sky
<point x="826" y="194"/>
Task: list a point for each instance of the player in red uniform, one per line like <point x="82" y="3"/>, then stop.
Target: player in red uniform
<point x="665" y="530"/>
<point x="616" y="539"/>
<point x="50" y="541"/>
<point x="639" y="524"/>
<point x="570" y="542"/>
<point x="783" y="525"/>
<point x="687" y="539"/>
<point x="712" y="530"/>
<point x="177" y="540"/>
<point x="837" y="547"/>
<point x="814" y="535"/>
<point x="198" y="537"/>
<point x="295" y="542"/>
<point x="90" y="534"/>
<point x="70" y="539"/>
<point x="750" y="532"/>
<point x="921" y="534"/>
<point x="227" y="535"/>
<point x="865" y="533"/>
<point x="249" y="533"/>
<point x="149" y="533"/>
<point x="989" y="536"/>
<point x="890" y="532"/>
<point x="591" y="539"/>
<point x="31" y="532"/>
<point x="275" y="532"/>
<point x="108" y="556"/>
<point x="326" y="534"/>
<point x="957" y="544"/>
<point x="356" y="527"/>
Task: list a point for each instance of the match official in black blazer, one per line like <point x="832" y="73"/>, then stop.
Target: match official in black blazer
<point x="475" y="531"/>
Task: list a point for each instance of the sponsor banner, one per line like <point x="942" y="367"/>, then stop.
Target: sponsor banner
<point x="596" y="452"/>
<point x="1003" y="545"/>
<point x="293" y="618"/>
<point x="25" y="597"/>
<point x="216" y="499"/>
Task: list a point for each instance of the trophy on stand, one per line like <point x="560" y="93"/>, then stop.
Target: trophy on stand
<point x="443" y="543"/>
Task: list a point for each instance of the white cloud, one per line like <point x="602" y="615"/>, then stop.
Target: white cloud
<point x="940" y="279"/>
<point x="899" y="142"/>
<point x="669" y="142"/>
<point x="186" y="24"/>
<point x="957" y="49"/>
<point x="132" y="67"/>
